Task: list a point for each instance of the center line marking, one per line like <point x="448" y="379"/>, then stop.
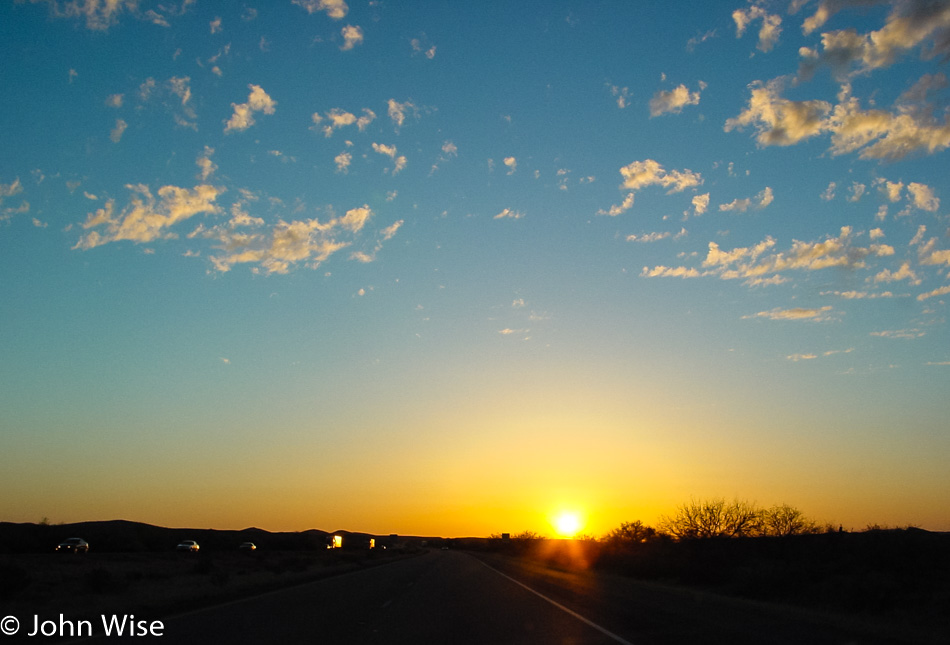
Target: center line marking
<point x="573" y="613"/>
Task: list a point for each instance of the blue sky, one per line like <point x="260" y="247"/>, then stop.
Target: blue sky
<point x="452" y="268"/>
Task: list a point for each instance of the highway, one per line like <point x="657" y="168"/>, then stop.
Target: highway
<point x="454" y="597"/>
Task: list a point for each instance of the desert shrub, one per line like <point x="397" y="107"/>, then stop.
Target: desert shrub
<point x="630" y="533"/>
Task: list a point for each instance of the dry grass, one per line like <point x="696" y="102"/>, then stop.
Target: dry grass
<point x="156" y="584"/>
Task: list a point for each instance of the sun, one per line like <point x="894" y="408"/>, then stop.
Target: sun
<point x="567" y="523"/>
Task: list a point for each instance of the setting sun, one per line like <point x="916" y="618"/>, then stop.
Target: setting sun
<point x="567" y="523"/>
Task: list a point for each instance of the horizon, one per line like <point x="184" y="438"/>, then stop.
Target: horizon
<point x="471" y="269"/>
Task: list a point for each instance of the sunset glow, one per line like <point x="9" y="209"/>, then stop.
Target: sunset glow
<point x="568" y="524"/>
<point x="451" y="269"/>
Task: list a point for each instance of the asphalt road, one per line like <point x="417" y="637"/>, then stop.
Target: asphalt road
<point x="453" y="597"/>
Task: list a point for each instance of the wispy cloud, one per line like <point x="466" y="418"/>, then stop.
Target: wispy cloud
<point x="761" y="264"/>
<point x="286" y="244"/>
<point x="148" y="218"/>
<point x="116" y="135"/>
<point x="796" y="313"/>
<point x="9" y="190"/>
<point x="901" y="334"/>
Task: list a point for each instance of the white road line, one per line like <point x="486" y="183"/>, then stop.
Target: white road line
<point x="573" y="613"/>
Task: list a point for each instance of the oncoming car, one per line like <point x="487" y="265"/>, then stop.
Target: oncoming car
<point x="73" y="545"/>
<point x="188" y="545"/>
<point x="247" y="546"/>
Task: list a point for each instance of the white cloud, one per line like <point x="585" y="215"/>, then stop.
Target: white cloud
<point x="338" y="118"/>
<point x="641" y="174"/>
<point x="622" y="95"/>
<point x="99" y="16"/>
<point x="383" y="149"/>
<point x="761" y="260"/>
<point x="419" y="47"/>
<point x="666" y="102"/>
<point x="352" y="36"/>
<point x="9" y="190"/>
<point x="343" y="161"/>
<point x="858" y="295"/>
<point x="390" y="151"/>
<point x="114" y="100"/>
<point x="617" y="209"/>
<point x="829" y="193"/>
<point x="904" y="273"/>
<point x="891" y="189"/>
<point x="215" y="25"/>
<point x="257" y="101"/>
<point x="700" y="203"/>
<point x="760" y="201"/>
<point x="647" y="238"/>
<point x="670" y="272"/>
<point x="779" y="121"/>
<point x="146" y="218"/>
<point x="208" y="167"/>
<point x="910" y="24"/>
<point x="941" y="291"/>
<point x="336" y="9"/>
<point x="512" y="164"/>
<point x="509" y="214"/>
<point x="287" y="244"/>
<point x="699" y="39"/>
<point x="397" y="111"/>
<point x="929" y="254"/>
<point x="857" y="191"/>
<point x="118" y="130"/>
<point x="923" y="197"/>
<point x="769" y="32"/>
<point x="874" y="134"/>
<point x="390" y="230"/>
<point x="796" y="313"/>
<point x="904" y="334"/>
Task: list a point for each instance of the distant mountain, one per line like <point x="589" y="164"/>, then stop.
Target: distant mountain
<point x="124" y="536"/>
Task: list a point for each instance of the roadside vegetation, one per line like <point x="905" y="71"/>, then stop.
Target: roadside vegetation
<point x="773" y="554"/>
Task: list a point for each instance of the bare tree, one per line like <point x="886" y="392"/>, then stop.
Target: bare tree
<point x="713" y="518"/>
<point x="786" y="520"/>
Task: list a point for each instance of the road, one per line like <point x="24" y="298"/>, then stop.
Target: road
<point x="454" y="597"/>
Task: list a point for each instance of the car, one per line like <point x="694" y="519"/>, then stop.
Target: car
<point x="247" y="546"/>
<point x="188" y="545"/>
<point x="73" y="545"/>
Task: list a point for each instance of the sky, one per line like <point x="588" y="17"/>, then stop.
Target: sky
<point x="455" y="268"/>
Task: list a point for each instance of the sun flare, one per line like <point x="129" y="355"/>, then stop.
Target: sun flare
<point x="567" y="523"/>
